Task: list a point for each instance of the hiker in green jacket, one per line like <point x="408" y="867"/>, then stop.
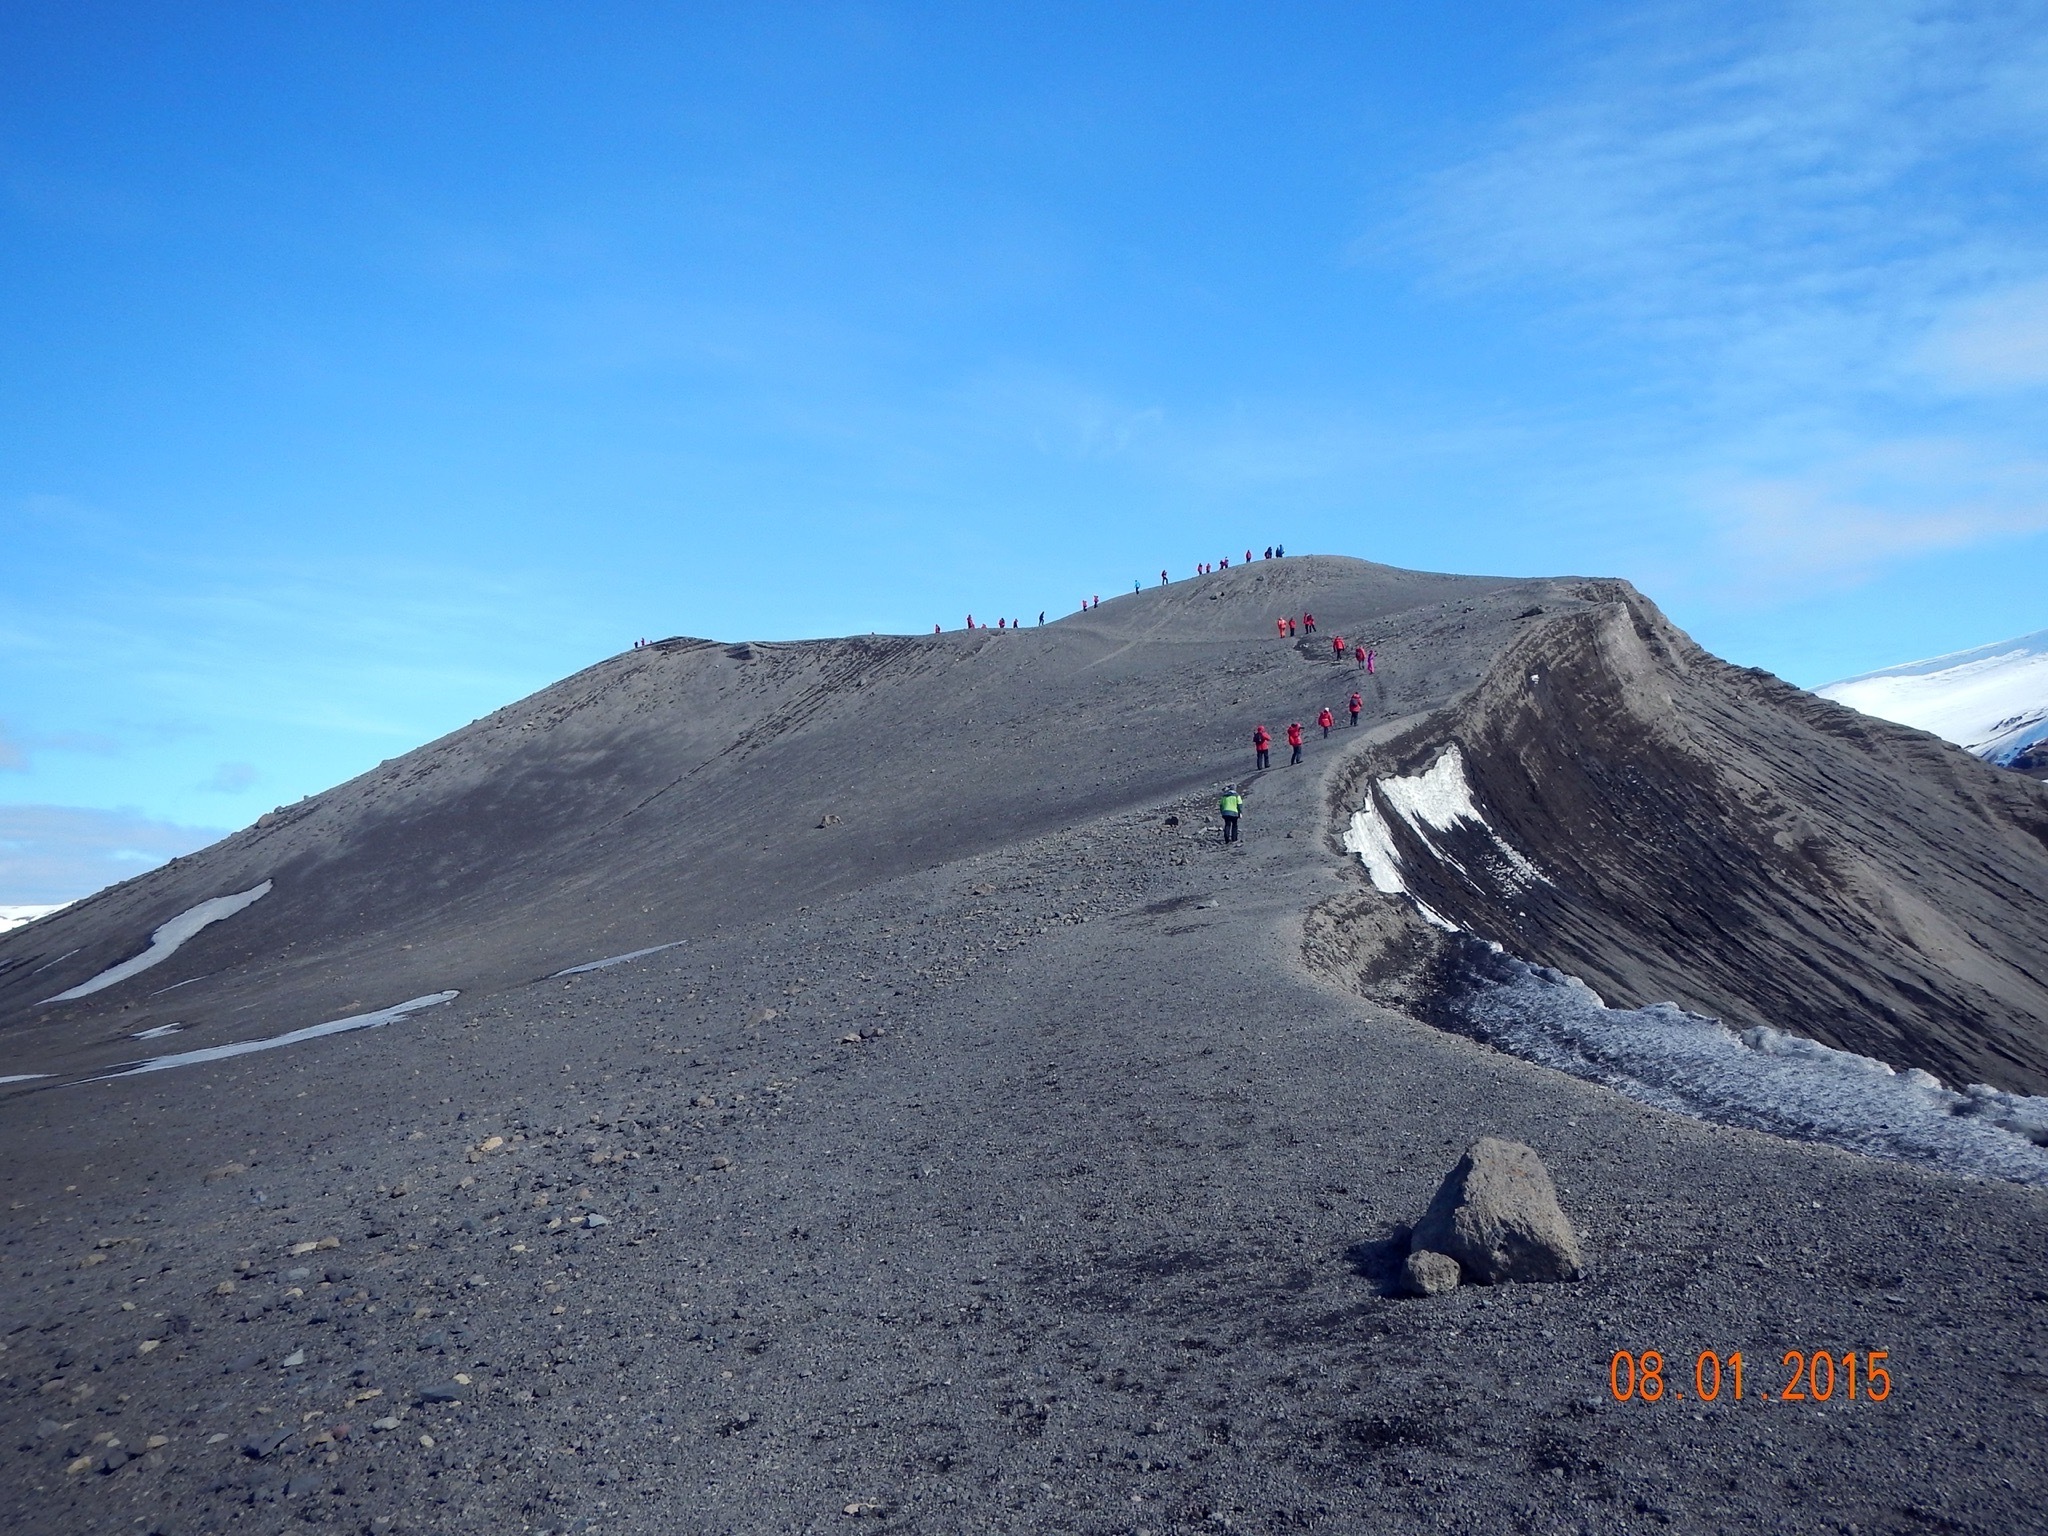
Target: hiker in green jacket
<point x="1232" y="806"/>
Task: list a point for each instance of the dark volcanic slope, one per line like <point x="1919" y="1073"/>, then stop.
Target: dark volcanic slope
<point x="989" y="1161"/>
<point x="1722" y="840"/>
<point x="665" y="792"/>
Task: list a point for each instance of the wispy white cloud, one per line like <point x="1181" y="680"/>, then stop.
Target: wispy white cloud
<point x="1992" y="343"/>
<point x="1839" y="519"/>
<point x="1810" y="229"/>
<point x="231" y="779"/>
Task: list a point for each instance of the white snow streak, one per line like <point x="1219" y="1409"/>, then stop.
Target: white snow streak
<point x="354" y="1021"/>
<point x="1370" y="838"/>
<point x="165" y="941"/>
<point x="598" y="965"/>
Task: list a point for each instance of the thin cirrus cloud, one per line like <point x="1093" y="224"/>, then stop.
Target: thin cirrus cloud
<point x="18" y="749"/>
<point x="1795" y="228"/>
<point x="1994" y="343"/>
<point x="230" y="779"/>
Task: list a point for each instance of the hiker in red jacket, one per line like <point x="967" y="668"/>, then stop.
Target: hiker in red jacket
<point x="1308" y="623"/>
<point x="1281" y="625"/>
<point x="1262" y="743"/>
<point x="1326" y="720"/>
<point x="1337" y="646"/>
<point x="1294" y="740"/>
<point x="1357" y="704"/>
<point x="1358" y="654"/>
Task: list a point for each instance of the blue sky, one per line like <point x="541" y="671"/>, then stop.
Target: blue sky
<point x="368" y="366"/>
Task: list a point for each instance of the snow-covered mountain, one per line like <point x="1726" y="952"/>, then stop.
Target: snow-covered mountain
<point x="1992" y="700"/>
<point x="15" y="916"/>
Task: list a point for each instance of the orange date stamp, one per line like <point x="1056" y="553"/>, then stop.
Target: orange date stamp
<point x="1814" y="1376"/>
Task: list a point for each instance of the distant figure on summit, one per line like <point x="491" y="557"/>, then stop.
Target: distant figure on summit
<point x="1269" y="551"/>
<point x="1294" y="740"/>
<point x="1231" y="806"/>
<point x="1262" y="743"/>
<point x="1326" y="720"/>
<point x="1162" y="578"/>
<point x="1357" y="704"/>
<point x="1279" y="551"/>
<point x="1247" y="557"/>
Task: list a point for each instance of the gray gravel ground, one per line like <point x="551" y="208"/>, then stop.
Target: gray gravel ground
<point x="1089" y="1230"/>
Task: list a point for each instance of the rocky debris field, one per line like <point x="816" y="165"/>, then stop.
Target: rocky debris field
<point x="1043" y="1192"/>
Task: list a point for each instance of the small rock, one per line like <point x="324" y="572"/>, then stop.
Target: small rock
<point x="444" y="1392"/>
<point x="256" y="1447"/>
<point x="1427" y="1273"/>
<point x="595" y="1220"/>
<point x="296" y="1357"/>
<point x="1496" y="1213"/>
<point x="721" y="1162"/>
<point x="389" y="1421"/>
<point x="828" y="820"/>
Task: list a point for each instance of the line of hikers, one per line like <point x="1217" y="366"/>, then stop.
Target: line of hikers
<point x="1262" y="739"/>
<point x="1273" y="552"/>
<point x="1366" y="656"/>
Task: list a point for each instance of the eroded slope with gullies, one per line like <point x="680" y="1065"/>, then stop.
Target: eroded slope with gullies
<point x="1711" y="836"/>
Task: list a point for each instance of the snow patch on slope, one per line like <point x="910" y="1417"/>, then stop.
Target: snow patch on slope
<point x="354" y="1021"/>
<point x="1435" y="801"/>
<point x="1761" y="1078"/>
<point x="1993" y="700"/>
<point x="612" y="960"/>
<point x="165" y="941"/>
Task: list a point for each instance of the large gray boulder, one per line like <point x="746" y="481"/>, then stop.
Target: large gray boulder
<point x="1497" y="1214"/>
